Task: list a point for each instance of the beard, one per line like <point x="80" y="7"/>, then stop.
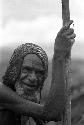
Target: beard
<point x="28" y="94"/>
<point x="24" y="92"/>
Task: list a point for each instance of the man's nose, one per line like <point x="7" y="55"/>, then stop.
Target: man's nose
<point x="33" y="77"/>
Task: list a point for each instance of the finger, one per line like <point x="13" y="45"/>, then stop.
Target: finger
<point x="71" y="36"/>
<point x="72" y="41"/>
<point x="69" y="31"/>
<point x="67" y="26"/>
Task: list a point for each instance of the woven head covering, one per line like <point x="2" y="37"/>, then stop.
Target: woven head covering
<point x="13" y="70"/>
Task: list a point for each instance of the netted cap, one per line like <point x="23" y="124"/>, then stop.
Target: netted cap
<point x="16" y="61"/>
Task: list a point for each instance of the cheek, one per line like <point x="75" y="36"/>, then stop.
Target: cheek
<point x="40" y="80"/>
<point x="23" y="76"/>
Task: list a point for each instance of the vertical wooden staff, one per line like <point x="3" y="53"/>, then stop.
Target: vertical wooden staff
<point x="67" y="111"/>
<point x="65" y="11"/>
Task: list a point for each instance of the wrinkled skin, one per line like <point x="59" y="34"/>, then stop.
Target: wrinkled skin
<point x="65" y="39"/>
<point x="31" y="78"/>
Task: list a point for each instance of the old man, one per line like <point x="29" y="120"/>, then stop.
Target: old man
<point x="27" y="71"/>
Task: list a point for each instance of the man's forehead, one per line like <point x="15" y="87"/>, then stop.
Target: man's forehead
<point x="32" y="60"/>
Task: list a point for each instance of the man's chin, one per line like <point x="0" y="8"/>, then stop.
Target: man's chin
<point x="30" y="93"/>
<point x="27" y="92"/>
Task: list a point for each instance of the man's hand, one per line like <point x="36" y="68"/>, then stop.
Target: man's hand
<point x="65" y="39"/>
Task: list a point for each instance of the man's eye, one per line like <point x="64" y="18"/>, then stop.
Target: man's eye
<point x="24" y="71"/>
<point x="39" y="73"/>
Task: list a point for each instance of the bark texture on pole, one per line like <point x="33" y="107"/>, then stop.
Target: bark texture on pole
<point x="65" y="11"/>
<point x="67" y="111"/>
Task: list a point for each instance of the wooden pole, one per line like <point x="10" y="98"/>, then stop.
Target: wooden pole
<point x="67" y="111"/>
<point x="65" y="11"/>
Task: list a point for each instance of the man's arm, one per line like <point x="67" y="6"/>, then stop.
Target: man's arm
<point x="11" y="101"/>
<point x="56" y="100"/>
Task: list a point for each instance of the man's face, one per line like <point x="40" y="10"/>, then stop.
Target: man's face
<point x="32" y="72"/>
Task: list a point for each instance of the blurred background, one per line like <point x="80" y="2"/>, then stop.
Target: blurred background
<point x="38" y="21"/>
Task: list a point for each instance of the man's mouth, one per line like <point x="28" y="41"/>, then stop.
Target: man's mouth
<point x="29" y="86"/>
